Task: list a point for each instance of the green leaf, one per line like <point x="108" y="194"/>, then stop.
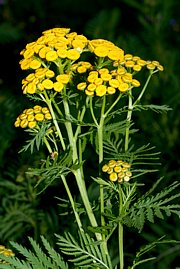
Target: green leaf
<point x="86" y="253"/>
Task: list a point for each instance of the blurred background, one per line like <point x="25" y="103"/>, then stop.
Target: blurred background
<point x="147" y="28"/>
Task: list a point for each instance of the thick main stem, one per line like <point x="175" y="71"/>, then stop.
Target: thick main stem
<point x="100" y="148"/>
<point x="77" y="172"/>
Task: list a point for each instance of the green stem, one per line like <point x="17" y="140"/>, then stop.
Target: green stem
<point x="67" y="190"/>
<point x="47" y="145"/>
<point x="120" y="232"/>
<point x="100" y="147"/>
<point x="77" y="172"/>
<point x="48" y="102"/>
<point x="57" y="107"/>
<point x="92" y="112"/>
<point x="72" y="203"/>
<point x="144" y="88"/>
<point x="128" y="119"/>
<point x="113" y="105"/>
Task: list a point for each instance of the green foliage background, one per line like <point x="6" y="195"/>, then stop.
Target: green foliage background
<point x="148" y="28"/>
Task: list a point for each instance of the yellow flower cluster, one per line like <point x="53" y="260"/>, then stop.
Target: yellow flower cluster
<point x="54" y="44"/>
<point x="103" y="82"/>
<point x="118" y="171"/>
<point x="81" y="67"/>
<point x="104" y="48"/>
<point x="31" y="116"/>
<point x="134" y="64"/>
<point x="112" y="71"/>
<point x="6" y="252"/>
<point x="41" y="80"/>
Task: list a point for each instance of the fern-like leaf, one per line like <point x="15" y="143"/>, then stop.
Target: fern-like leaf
<point x="154" y="205"/>
<point x="87" y="254"/>
<point x="37" y="138"/>
<point x="34" y="260"/>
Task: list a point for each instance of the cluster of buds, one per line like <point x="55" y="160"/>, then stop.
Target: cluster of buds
<point x="6" y="252"/>
<point x="30" y="117"/>
<point x="117" y="171"/>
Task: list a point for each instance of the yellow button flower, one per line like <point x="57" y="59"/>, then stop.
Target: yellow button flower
<point x="64" y="78"/>
<point x="73" y="54"/>
<point x="39" y="117"/>
<point x="35" y="64"/>
<point x="135" y="83"/>
<point x="51" y="56"/>
<point x="30" y="77"/>
<point x="160" y="67"/>
<point x="91" y="78"/>
<point x="116" y="54"/>
<point x="129" y="63"/>
<point x="17" y="123"/>
<point x="114" y="83"/>
<point x="102" y="71"/>
<point x="24" y="123"/>
<point x="45" y="110"/>
<point x="48" y="116"/>
<point x="105" y="168"/>
<point x="128" y="57"/>
<point x="22" y="116"/>
<point x="123" y="87"/>
<point x="91" y="87"/>
<point x="141" y="62"/>
<point x="47" y="84"/>
<point x="62" y="53"/>
<point x="101" y="90"/>
<point x="137" y="67"/>
<point x="106" y="76"/>
<point x="127" y="77"/>
<point x="151" y="66"/>
<point x="117" y="169"/>
<point x="37" y="109"/>
<point x="81" y="86"/>
<point x="88" y="93"/>
<point x="98" y="81"/>
<point x="30" y="118"/>
<point x="40" y="87"/>
<point x="81" y="69"/>
<point x="25" y="63"/>
<point x="32" y="124"/>
<point x="31" y="88"/>
<point x="111" y="90"/>
<point x="101" y="51"/>
<point x="43" y="51"/>
<point x="50" y="74"/>
<point x="58" y="86"/>
<point x="113" y="176"/>
<point x="28" y="53"/>
<point x="29" y="111"/>
<point x="78" y="44"/>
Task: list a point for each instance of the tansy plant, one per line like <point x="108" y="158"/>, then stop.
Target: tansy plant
<point x="85" y="92"/>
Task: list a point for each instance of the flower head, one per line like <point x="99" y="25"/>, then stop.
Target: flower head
<point x="6" y="252"/>
<point x="118" y="171"/>
<point x="54" y="60"/>
<point x="32" y="116"/>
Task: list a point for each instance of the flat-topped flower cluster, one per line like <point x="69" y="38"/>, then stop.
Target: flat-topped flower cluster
<point x="56" y="62"/>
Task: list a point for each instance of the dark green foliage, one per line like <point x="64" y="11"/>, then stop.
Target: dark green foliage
<point x="150" y="206"/>
<point x="36" y="259"/>
<point x="87" y="252"/>
<point x="147" y="28"/>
